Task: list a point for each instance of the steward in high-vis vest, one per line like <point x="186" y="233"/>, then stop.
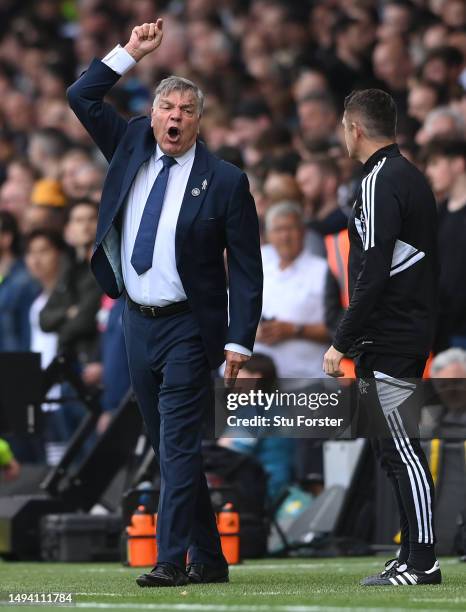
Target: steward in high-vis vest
<point x="336" y="287"/>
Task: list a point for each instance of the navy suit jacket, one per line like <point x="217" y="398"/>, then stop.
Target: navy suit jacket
<point x="223" y="216"/>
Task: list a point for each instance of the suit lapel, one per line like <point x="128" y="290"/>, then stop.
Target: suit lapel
<point x="138" y="154"/>
<point x="196" y="189"/>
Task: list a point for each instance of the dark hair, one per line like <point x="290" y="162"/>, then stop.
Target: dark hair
<point x="440" y="147"/>
<point x="449" y="55"/>
<point x="231" y="154"/>
<point x="9" y="225"/>
<point x="327" y="165"/>
<point x="50" y="235"/>
<point x="252" y="109"/>
<point x="342" y="24"/>
<point x="54" y="141"/>
<point x="80" y="202"/>
<point x="377" y="110"/>
<point x="323" y="98"/>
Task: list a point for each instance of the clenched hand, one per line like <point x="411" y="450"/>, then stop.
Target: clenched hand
<point x="144" y="39"/>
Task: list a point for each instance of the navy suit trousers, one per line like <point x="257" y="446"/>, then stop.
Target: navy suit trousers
<point x="170" y="376"/>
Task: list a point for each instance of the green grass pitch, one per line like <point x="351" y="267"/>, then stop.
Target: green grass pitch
<point x="279" y="585"/>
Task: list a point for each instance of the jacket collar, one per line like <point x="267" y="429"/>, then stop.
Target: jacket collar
<point x="390" y="150"/>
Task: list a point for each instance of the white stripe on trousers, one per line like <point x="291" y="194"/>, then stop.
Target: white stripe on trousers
<point x="417" y="476"/>
<point x="429" y="537"/>
<point x="412" y="480"/>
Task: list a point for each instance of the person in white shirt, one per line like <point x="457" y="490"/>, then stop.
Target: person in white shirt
<point x="292" y="329"/>
<point x="44" y="252"/>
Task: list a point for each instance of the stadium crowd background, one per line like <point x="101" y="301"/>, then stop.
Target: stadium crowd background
<point x="275" y="74"/>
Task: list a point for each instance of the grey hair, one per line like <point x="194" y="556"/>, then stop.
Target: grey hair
<point x="448" y="357"/>
<point x="282" y="209"/>
<point x="445" y="111"/>
<point x="176" y="83"/>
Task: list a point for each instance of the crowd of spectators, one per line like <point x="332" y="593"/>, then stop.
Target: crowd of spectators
<point x="275" y="74"/>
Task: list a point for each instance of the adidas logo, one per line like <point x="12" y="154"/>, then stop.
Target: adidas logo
<point x="404" y="578"/>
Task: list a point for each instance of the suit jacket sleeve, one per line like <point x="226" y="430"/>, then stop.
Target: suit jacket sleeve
<point x="101" y="120"/>
<point x="244" y="266"/>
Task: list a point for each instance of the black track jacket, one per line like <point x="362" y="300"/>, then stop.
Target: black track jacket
<point x="392" y="262"/>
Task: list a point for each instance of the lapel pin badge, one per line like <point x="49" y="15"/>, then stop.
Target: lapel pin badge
<point x="196" y="191"/>
<point x="204" y="184"/>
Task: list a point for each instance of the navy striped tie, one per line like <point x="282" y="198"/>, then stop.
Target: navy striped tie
<point x="143" y="250"/>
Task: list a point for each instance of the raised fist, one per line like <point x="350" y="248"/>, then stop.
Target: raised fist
<point x="144" y="39"/>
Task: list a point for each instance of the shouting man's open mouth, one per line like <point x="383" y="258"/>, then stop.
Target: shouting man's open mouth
<point x="174" y="134"/>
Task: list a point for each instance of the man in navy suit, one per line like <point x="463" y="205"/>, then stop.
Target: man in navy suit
<point x="169" y="209"/>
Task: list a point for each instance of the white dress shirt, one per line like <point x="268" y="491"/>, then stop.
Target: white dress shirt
<point x="161" y="284"/>
<point x="296" y="295"/>
<point x="45" y="343"/>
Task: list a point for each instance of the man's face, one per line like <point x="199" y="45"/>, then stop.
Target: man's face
<point x="450" y="384"/>
<point x="286" y="235"/>
<point x="316" y="122"/>
<point x="175" y="122"/>
<point x="310" y="181"/>
<point x="42" y="259"/>
<point x="441" y="173"/>
<point x="421" y="101"/>
<point x="82" y="226"/>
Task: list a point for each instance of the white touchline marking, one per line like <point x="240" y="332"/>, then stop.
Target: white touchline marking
<point x="104" y="594"/>
<point x="239" y="608"/>
<point x="311" y="565"/>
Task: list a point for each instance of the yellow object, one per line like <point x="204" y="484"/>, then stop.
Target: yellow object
<point x="434" y="459"/>
<point x="48" y="192"/>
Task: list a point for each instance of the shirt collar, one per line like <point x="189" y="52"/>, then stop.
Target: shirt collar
<point x="390" y="150"/>
<point x="180" y="159"/>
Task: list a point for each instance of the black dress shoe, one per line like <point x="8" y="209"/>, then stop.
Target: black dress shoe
<point x="163" y="575"/>
<point x="200" y="573"/>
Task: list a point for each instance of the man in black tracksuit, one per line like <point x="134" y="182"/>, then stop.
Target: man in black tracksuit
<point x="390" y="322"/>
